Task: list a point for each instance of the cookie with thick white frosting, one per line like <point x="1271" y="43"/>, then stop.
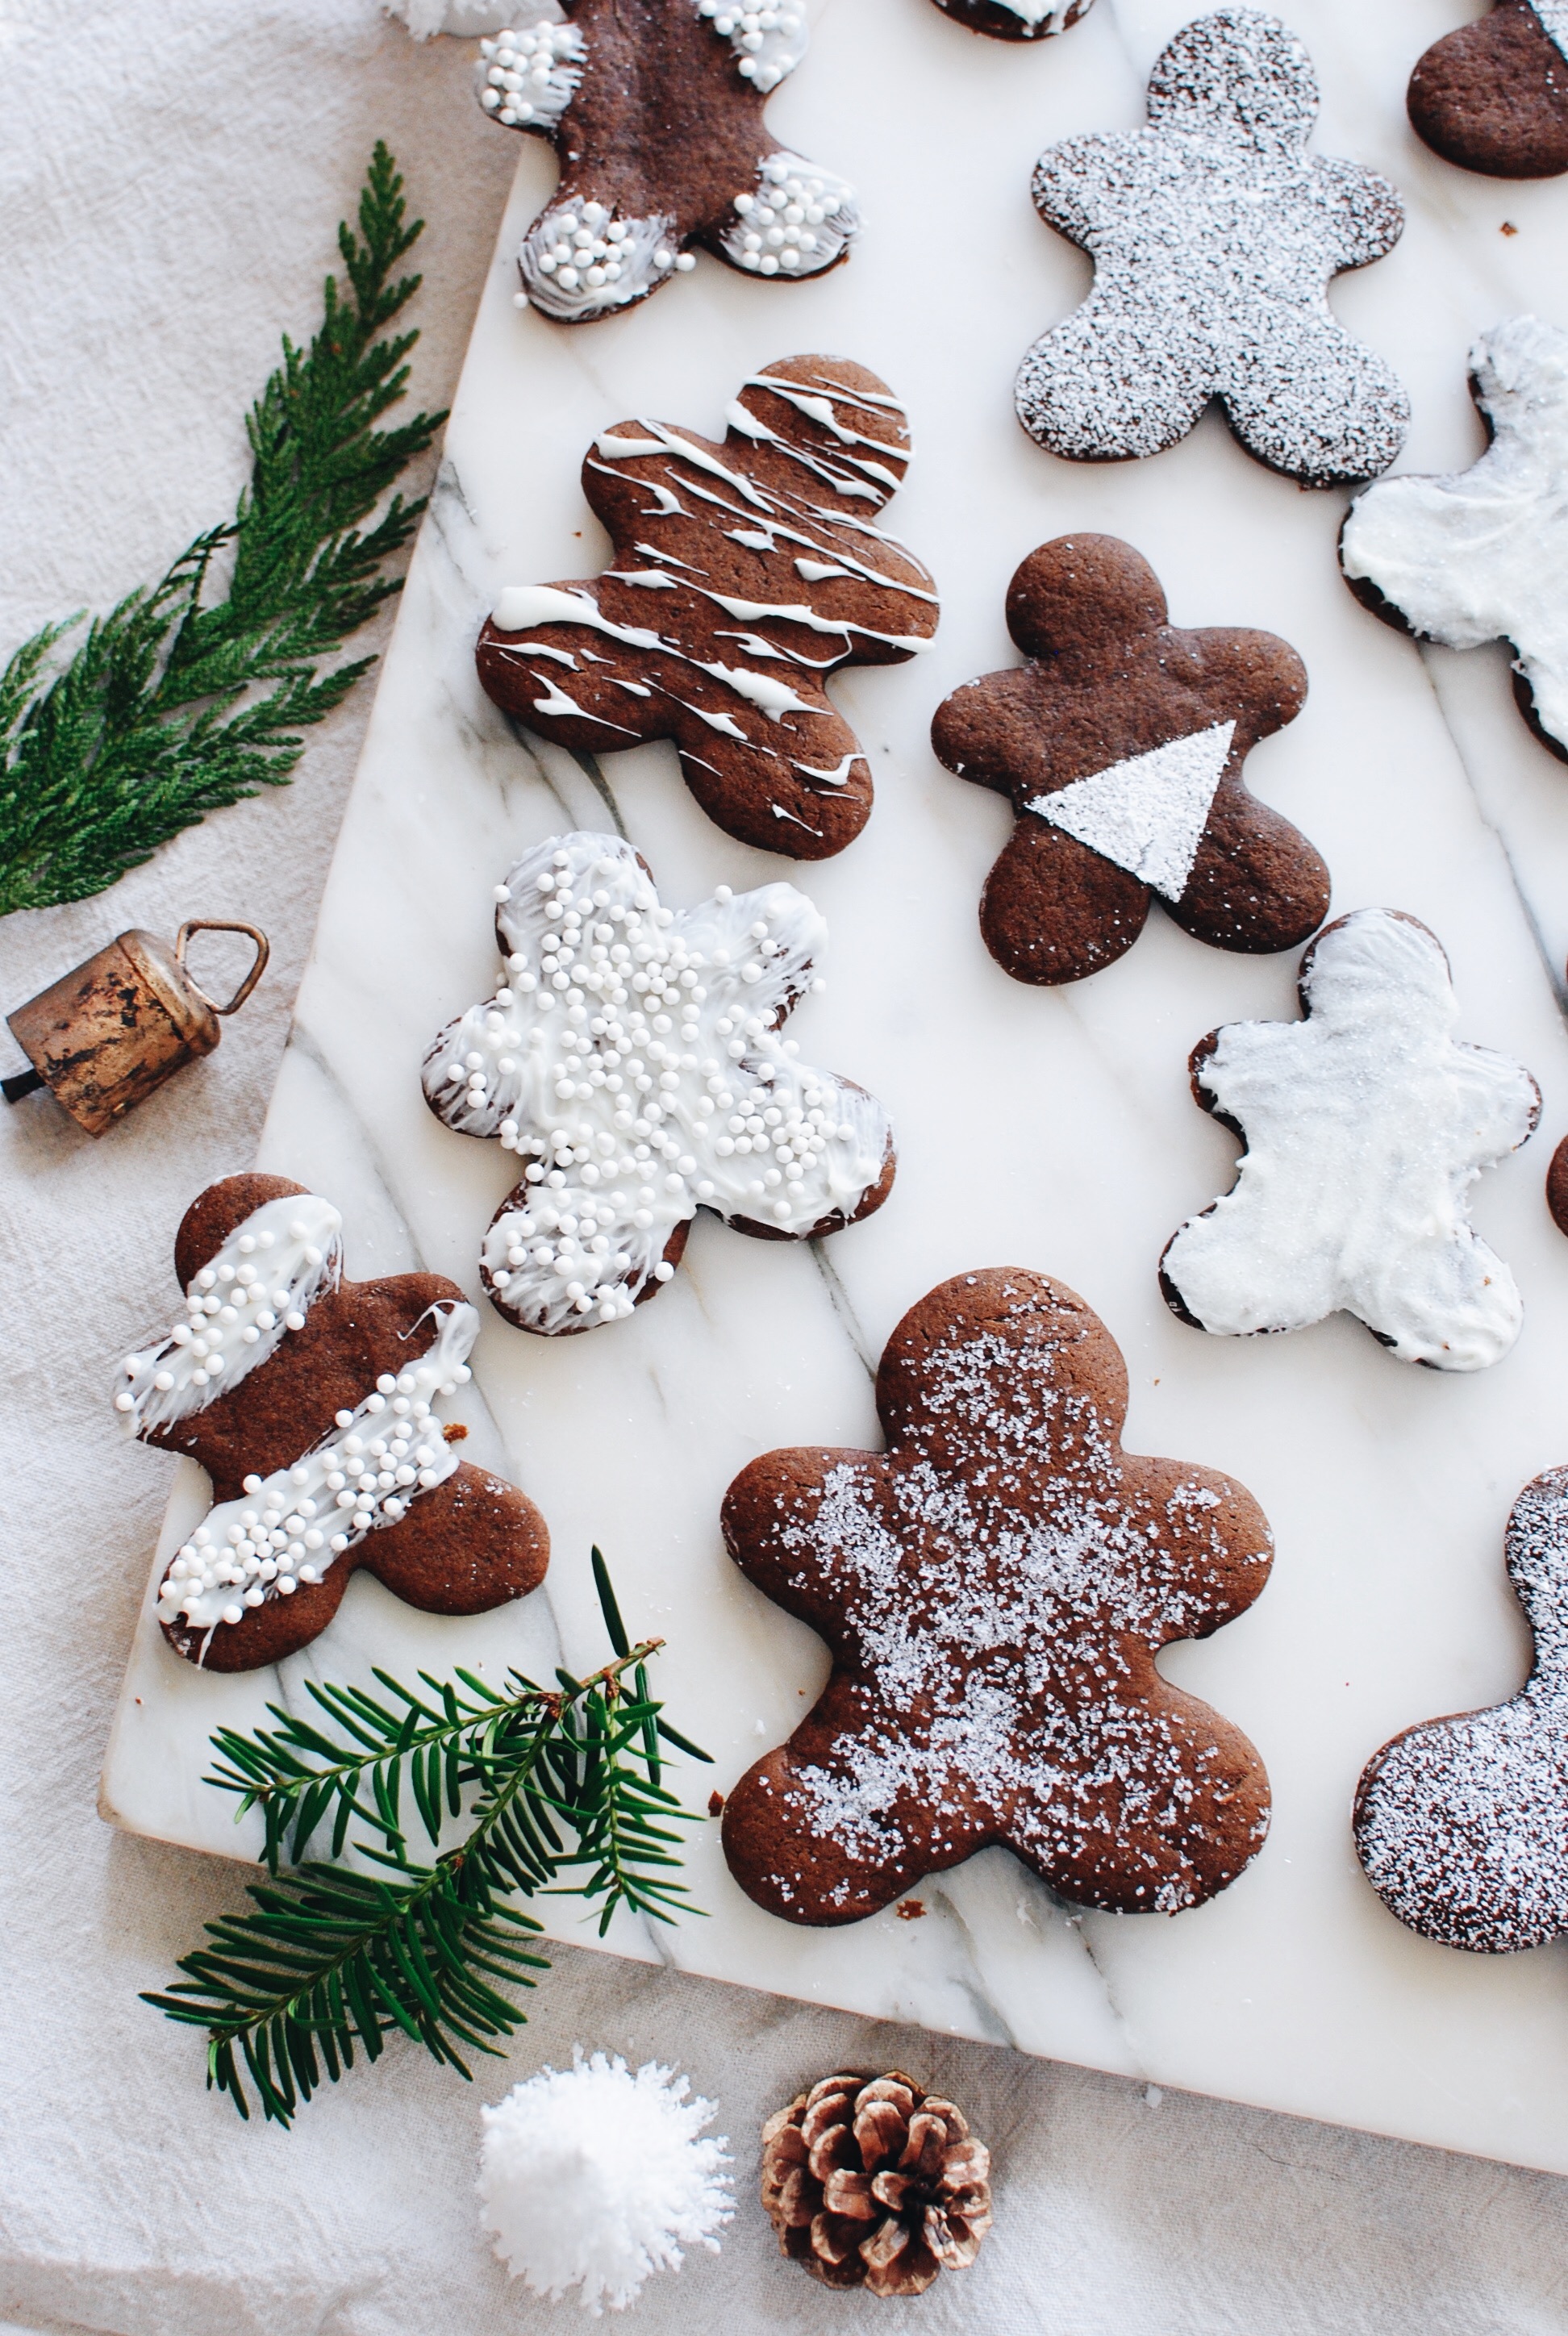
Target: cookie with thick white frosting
<point x="994" y="1588"/>
<point x="1482" y="555"/>
<point x="634" y="1058"/>
<point x="1018" y="20"/>
<point x="743" y="575"/>
<point x="1214" y="234"/>
<point x="1492" y="96"/>
<point x="1462" y="1823"/>
<point x="1121" y="742"/>
<point x="1365" y="1125"/>
<point x="309" y="1401"/>
<point x="654" y="108"/>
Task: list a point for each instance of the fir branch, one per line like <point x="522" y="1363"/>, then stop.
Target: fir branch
<point x="175" y="704"/>
<point x="553" y="1782"/>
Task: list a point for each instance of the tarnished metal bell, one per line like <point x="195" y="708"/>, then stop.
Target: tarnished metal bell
<point x="103" y="1039"/>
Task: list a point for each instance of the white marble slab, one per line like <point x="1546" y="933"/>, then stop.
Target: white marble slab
<point x="1388" y="1486"/>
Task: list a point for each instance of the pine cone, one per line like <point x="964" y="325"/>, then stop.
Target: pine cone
<point x="875" y="2184"/>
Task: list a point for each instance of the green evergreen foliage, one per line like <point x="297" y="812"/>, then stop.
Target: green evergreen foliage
<point x="546" y="1783"/>
<point x="175" y="704"/>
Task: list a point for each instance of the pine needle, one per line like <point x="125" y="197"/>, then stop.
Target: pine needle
<point x="552" y="1782"/>
<point x="174" y="704"/>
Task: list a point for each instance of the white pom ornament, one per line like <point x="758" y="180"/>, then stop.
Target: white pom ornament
<point x="591" y="2176"/>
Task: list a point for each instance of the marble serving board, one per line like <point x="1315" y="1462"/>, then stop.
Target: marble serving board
<point x="1051" y="1129"/>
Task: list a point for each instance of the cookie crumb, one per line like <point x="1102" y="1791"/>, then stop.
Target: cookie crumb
<point x="910" y="1910"/>
<point x="716" y="1805"/>
<point x="1507" y="227"/>
<point x="454" y="1432"/>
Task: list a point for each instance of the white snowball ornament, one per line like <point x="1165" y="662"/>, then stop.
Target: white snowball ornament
<point x="593" y="2178"/>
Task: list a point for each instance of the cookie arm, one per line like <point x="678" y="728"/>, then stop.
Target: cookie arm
<point x="1218" y="1543"/>
<point x="767" y="1519"/>
<point x="1084" y="184"/>
<point x="1367" y="217"/>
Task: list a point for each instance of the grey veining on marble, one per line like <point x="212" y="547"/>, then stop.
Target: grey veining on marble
<point x="1048" y="1129"/>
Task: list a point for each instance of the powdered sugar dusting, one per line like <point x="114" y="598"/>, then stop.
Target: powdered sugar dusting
<point x="1214" y="235"/>
<point x="1462" y="1825"/>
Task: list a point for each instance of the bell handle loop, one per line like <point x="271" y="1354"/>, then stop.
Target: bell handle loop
<point x="225" y="925"/>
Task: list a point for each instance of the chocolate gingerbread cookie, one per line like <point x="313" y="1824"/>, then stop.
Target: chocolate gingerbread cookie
<point x="655" y="110"/>
<point x="1462" y="1823"/>
<point x="1018" y="20"/>
<point x="743" y="575"/>
<point x="1214" y="235"/>
<point x="1121" y="742"/>
<point x="1492" y="96"/>
<point x="308" y="1400"/>
<point x="994" y="1588"/>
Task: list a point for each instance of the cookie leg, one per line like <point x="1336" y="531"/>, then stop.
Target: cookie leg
<point x="1053" y="911"/>
<point x="1313" y="403"/>
<point x="1256" y="885"/>
<point x="796" y="782"/>
<point x="466" y="1546"/>
<point x="1492" y="97"/>
<point x="1114" y="382"/>
<point x="795" y="219"/>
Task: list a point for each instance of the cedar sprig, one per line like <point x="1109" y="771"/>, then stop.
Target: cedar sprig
<point x="551" y="1781"/>
<point x="191" y="694"/>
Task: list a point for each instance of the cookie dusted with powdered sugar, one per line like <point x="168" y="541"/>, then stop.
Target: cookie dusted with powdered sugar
<point x="1462" y="1823"/>
<point x="1492" y="96"/>
<point x="1481" y="555"/>
<point x="654" y="108"/>
<point x="1214" y="235"/>
<point x="743" y="575"/>
<point x="634" y="1058"/>
<point x="309" y="1401"/>
<point x="1018" y="20"/>
<point x="1365" y="1125"/>
<point x="994" y="1588"/>
<point x="1121" y="742"/>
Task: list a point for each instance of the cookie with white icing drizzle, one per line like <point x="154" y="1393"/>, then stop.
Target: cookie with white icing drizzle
<point x="743" y="575"/>
<point x="1018" y="20"/>
<point x="1462" y="1823"/>
<point x="994" y="1588"/>
<point x="309" y="1401"/>
<point x="1481" y="555"/>
<point x="1492" y="96"/>
<point x="1214" y="235"/>
<point x="1365" y="1123"/>
<point x="654" y="108"/>
<point x="1121" y="742"/>
<point x="633" y="1056"/>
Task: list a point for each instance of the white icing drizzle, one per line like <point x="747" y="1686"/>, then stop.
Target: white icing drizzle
<point x="527" y="79"/>
<point x="290" y="1527"/>
<point x="795" y="219"/>
<point x="1148" y="813"/>
<point x="768" y="42"/>
<point x="632" y="1057"/>
<point x="261" y="1284"/>
<point x="1462" y="1825"/>
<point x="1481" y="554"/>
<point x="1365" y="1125"/>
<point x="576" y="261"/>
<point x="1214" y="235"/>
<point x="1554" y="20"/>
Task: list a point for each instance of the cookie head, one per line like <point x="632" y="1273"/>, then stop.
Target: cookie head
<point x="994" y="1588"/>
<point x="1237" y="70"/>
<point x="834" y="418"/>
<point x="1083" y="595"/>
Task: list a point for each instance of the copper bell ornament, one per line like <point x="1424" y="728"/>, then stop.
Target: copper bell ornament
<point x="102" y="1039"/>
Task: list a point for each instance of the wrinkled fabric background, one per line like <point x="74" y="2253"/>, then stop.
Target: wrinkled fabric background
<point x="170" y="176"/>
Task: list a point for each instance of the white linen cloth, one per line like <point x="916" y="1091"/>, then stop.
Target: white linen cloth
<point x="171" y="177"/>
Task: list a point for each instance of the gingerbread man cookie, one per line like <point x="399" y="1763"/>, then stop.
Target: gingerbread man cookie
<point x="654" y="108"/>
<point x="308" y="1399"/>
<point x="994" y="1588"/>
<point x="1478" y="555"/>
<point x="1018" y="20"/>
<point x="744" y="575"/>
<point x="1121" y="742"/>
<point x="1365" y="1123"/>
<point x="1462" y="1823"/>
<point x="1492" y="96"/>
<point x="1214" y="235"/>
<point x="634" y="1057"/>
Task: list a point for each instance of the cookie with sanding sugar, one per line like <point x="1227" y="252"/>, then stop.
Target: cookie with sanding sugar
<point x="994" y="1588"/>
<point x="633" y="1059"/>
<point x="1214" y="235"/>
<point x="1018" y="20"/>
<point x="654" y="108"/>
<point x="1365" y="1123"/>
<point x="1492" y="96"/>
<point x="1462" y="1823"/>
<point x="1473" y="556"/>
<point x="309" y="1401"/>
<point x="743" y="575"/>
<point x="1120" y="742"/>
